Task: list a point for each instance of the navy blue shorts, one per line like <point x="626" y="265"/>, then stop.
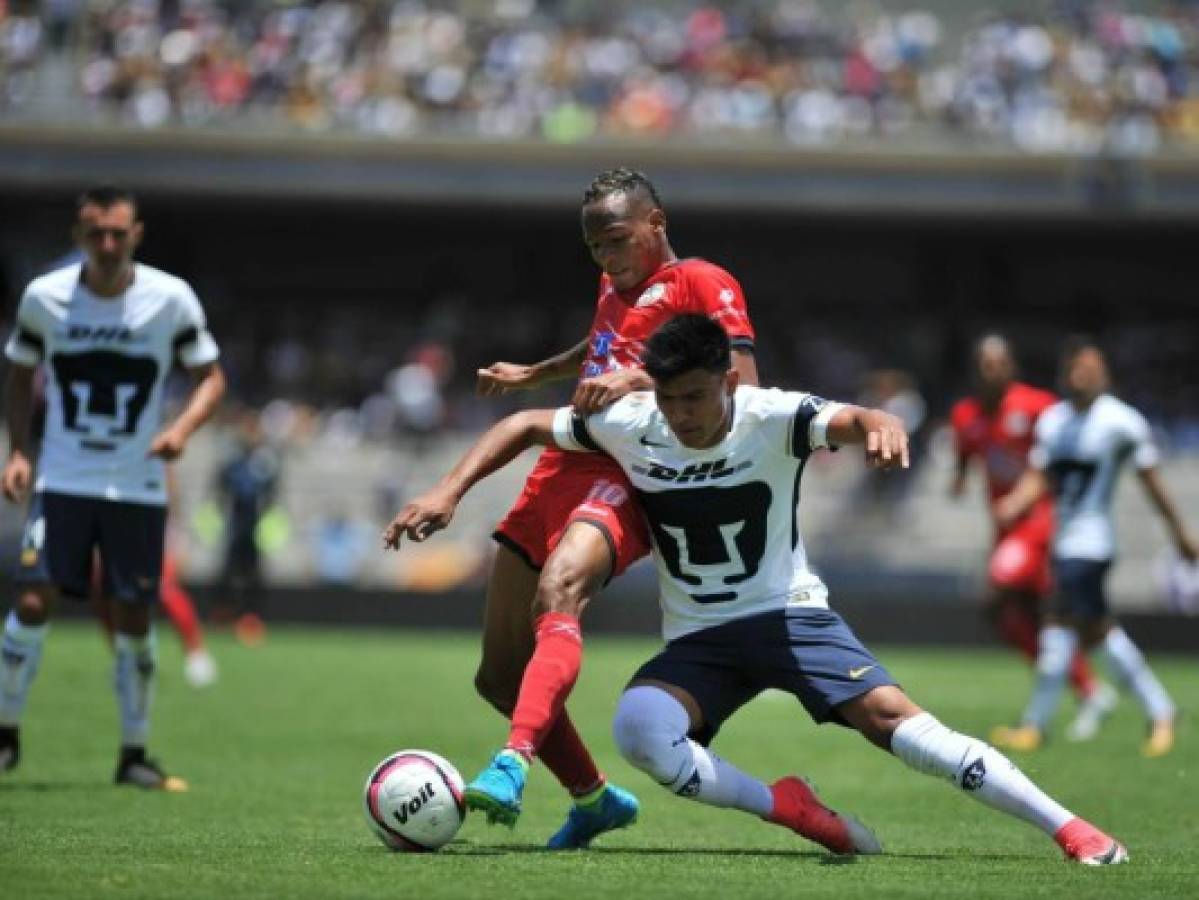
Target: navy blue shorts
<point x="808" y="652"/>
<point x="1079" y="592"/>
<point x="63" y="533"/>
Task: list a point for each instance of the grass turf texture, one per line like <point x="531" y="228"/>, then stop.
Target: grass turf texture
<point x="277" y="751"/>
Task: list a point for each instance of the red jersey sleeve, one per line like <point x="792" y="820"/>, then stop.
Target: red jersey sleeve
<point x="716" y="293"/>
<point x="1040" y="401"/>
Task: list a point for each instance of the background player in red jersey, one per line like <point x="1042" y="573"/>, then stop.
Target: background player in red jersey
<point x="996" y="426"/>
<point x="575" y="525"/>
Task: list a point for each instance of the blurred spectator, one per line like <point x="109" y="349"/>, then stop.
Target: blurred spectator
<point x="341" y="546"/>
<point x="1074" y="77"/>
<point x="894" y="391"/>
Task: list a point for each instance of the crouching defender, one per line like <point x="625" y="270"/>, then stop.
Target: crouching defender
<point x="717" y="470"/>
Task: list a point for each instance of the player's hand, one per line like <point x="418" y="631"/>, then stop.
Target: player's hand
<point x="593" y="394"/>
<point x="1005" y="513"/>
<point x="168" y="444"/>
<point x="18" y="472"/>
<point x="504" y="377"/>
<point x="420" y="519"/>
<point x="887" y="443"/>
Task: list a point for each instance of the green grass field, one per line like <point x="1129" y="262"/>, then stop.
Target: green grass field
<point x="277" y="752"/>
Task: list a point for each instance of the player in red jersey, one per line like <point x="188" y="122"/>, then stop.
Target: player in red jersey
<point x="576" y="525"/>
<point x="996" y="426"/>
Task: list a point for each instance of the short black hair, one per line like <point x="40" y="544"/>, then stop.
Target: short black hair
<point x="105" y="196"/>
<point x="620" y="181"/>
<point x="687" y="342"/>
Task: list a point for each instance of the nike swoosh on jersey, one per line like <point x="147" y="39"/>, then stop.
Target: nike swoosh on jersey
<point x="857" y="673"/>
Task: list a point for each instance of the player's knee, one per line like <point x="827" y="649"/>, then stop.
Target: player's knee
<point x="496" y="690"/>
<point x="1056" y="647"/>
<point x="33" y="607"/>
<point x="132" y="619"/>
<point x="645" y="741"/>
<point x="563" y="587"/>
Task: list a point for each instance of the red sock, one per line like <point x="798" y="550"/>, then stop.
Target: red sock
<point x="1018" y="627"/>
<point x="1082" y="676"/>
<point x="547" y="682"/>
<point x="565" y="754"/>
<point x="180" y="610"/>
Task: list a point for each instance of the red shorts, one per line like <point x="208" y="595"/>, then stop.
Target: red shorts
<point x="575" y="487"/>
<point x="1020" y="560"/>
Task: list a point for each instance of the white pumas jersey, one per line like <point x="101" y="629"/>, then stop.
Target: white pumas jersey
<point x="1082" y="453"/>
<point x="106" y="360"/>
<point x="723" y="519"/>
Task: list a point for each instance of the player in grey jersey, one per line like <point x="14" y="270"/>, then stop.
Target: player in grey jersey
<point x="106" y="332"/>
<point x="1082" y="444"/>
<point x="717" y="469"/>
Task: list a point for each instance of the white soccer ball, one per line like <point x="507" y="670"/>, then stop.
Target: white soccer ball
<point x="413" y="801"/>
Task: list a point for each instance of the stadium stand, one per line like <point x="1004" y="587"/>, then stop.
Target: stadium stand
<point x="1068" y="77"/>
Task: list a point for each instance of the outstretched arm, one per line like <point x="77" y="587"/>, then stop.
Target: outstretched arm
<point x="1014" y="505"/>
<point x="594" y="394"/>
<point x="505" y="377"/>
<point x="502" y="443"/>
<point x="884" y="435"/>
<point x="1152" y="482"/>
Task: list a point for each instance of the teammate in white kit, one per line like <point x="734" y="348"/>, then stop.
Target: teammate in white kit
<point x="107" y="332"/>
<point x="717" y="469"/>
<point x="1082" y="443"/>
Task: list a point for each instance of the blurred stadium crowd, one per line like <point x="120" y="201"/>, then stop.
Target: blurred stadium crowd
<point x="1070" y="76"/>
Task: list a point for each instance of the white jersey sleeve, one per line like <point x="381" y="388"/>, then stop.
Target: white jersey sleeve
<point x="606" y="431"/>
<point x="796" y="424"/>
<point x="27" y="344"/>
<point x="1145" y="454"/>
<point x="194" y="344"/>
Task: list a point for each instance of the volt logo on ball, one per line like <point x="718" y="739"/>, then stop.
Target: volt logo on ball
<point x="413" y="806"/>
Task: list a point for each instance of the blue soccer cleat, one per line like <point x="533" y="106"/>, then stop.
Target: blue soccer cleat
<point x="498" y="788"/>
<point x="615" y="808"/>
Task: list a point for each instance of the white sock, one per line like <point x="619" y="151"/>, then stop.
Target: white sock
<point x="1056" y="646"/>
<point x="982" y="771"/>
<point x="136" y="660"/>
<point x="20" y="653"/>
<point x="1128" y="666"/>
<point x="650" y="729"/>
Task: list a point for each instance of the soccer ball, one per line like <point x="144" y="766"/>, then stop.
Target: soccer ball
<point x="413" y="801"/>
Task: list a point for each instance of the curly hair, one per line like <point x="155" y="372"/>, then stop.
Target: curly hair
<point x="620" y="181"/>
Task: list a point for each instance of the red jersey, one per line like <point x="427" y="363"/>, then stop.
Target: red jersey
<point x="569" y="487"/>
<point x="624" y="322"/>
<point x="1003" y="438"/>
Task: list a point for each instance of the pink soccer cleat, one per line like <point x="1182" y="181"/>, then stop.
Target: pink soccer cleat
<point x="797" y="807"/>
<point x="1082" y="842"/>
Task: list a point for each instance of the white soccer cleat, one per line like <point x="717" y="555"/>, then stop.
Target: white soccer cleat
<point x="199" y="669"/>
<point x="1092" y="712"/>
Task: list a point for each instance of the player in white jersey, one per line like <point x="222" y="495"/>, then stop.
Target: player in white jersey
<point x="1082" y="444"/>
<point x="717" y="470"/>
<point x="107" y="332"/>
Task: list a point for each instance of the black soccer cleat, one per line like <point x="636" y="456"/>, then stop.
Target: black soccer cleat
<point x="10" y="747"/>
<point x="137" y="769"/>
